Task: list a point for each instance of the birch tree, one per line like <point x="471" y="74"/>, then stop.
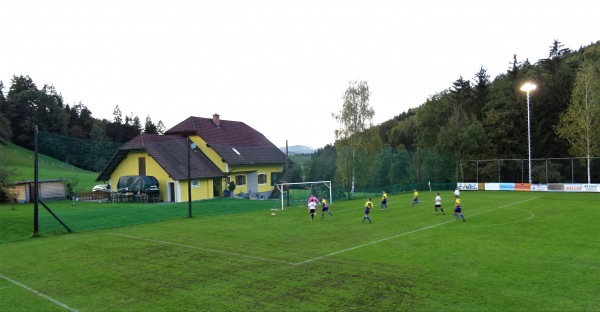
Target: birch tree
<point x="354" y="118"/>
<point x="580" y="123"/>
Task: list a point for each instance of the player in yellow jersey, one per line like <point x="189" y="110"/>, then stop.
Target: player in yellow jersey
<point x="325" y="208"/>
<point x="458" y="209"/>
<point x="384" y="201"/>
<point x="368" y="206"/>
<point x="415" y="197"/>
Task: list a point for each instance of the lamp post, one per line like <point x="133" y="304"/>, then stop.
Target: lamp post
<point x="189" y="175"/>
<point x="528" y="87"/>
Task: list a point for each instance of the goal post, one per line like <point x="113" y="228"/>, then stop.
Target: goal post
<point x="282" y="188"/>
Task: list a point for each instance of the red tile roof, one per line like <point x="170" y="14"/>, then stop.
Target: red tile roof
<point x="170" y="152"/>
<point x="226" y="137"/>
<point x="236" y="143"/>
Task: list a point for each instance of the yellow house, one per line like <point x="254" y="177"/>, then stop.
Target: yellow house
<point x="210" y="153"/>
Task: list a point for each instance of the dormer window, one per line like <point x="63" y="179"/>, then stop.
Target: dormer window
<point x="236" y="151"/>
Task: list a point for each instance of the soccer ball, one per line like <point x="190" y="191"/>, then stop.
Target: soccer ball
<point x="272" y="213"/>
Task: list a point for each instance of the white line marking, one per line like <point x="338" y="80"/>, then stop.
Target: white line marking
<point x="402" y="234"/>
<point x="313" y="259"/>
<point x="371" y="243"/>
<point x="39" y="293"/>
<point x="531" y="216"/>
<point x="199" y="248"/>
<point x="507" y="205"/>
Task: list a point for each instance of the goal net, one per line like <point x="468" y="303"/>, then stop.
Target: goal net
<point x="297" y="193"/>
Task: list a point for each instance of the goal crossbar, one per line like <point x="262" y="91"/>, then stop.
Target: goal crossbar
<point x="281" y="186"/>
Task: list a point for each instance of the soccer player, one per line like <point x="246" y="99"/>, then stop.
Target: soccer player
<point x="458" y="209"/>
<point x="438" y="203"/>
<point x="313" y="198"/>
<point x="384" y="201"/>
<point x="368" y="206"/>
<point x="325" y="208"/>
<point x="415" y="197"/>
<point x="312" y="207"/>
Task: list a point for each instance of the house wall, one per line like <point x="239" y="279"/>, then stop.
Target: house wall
<point x="52" y="190"/>
<point x="209" y="152"/>
<point x="129" y="166"/>
<point x="48" y="190"/>
<point x="251" y="173"/>
<point x="20" y="191"/>
<point x="203" y="191"/>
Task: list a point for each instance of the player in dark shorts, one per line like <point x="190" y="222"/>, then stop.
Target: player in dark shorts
<point x="325" y="208"/>
<point x="458" y="209"/>
<point x="368" y="206"/>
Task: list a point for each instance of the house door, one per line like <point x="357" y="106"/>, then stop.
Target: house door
<point x="217" y="187"/>
<point x="252" y="183"/>
<point x="171" y="191"/>
<point x="142" y="166"/>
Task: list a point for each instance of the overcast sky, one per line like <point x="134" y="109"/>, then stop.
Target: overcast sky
<point x="279" y="66"/>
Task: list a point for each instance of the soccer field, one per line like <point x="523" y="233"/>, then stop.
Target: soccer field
<point x="517" y="251"/>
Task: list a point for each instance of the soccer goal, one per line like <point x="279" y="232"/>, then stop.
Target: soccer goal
<point x="303" y="189"/>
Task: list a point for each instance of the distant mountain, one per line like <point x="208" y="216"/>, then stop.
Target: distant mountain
<point x="299" y="149"/>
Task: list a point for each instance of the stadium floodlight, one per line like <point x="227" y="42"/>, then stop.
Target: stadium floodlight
<point x="528" y="87"/>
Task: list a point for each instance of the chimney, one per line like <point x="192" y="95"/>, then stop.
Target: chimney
<point x="216" y="120"/>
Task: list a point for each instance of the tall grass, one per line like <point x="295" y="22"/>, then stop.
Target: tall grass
<point x="515" y="252"/>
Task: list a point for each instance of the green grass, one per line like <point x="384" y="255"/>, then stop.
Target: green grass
<point x="22" y="160"/>
<point x="517" y="251"/>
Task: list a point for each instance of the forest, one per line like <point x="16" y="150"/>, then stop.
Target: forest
<point x="475" y="118"/>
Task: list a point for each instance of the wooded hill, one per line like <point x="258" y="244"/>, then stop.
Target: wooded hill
<point x="476" y="118"/>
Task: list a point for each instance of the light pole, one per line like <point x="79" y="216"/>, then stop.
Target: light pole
<point x="528" y="87"/>
<point x="189" y="175"/>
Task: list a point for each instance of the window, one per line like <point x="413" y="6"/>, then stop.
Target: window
<point x="195" y="183"/>
<point x="142" y="166"/>
<point x="262" y="178"/>
<point x="240" y="179"/>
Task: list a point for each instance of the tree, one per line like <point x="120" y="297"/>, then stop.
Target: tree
<point x="117" y="115"/>
<point x="5" y="127"/>
<point x="27" y="107"/>
<point x="503" y="120"/>
<point x="354" y="118"/>
<point x="580" y="123"/>
<point x="481" y="91"/>
<point x="160" y="127"/>
<point x="463" y="133"/>
<point x="149" y="127"/>
<point x="554" y="76"/>
<point x="321" y="166"/>
<point x="6" y="173"/>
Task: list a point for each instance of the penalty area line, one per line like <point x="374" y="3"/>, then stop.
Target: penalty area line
<point x="371" y="243"/>
<point x="58" y="303"/>
<point x="402" y="234"/>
